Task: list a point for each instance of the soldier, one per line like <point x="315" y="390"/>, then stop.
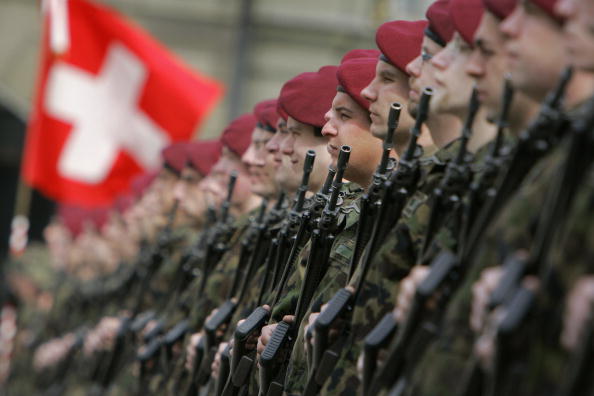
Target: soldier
<point x="527" y="25"/>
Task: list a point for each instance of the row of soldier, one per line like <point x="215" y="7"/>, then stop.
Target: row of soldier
<point x="415" y="220"/>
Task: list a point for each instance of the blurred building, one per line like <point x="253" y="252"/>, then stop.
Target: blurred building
<point x="280" y="38"/>
<point x="252" y="46"/>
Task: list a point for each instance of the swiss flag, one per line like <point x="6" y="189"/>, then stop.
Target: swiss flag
<point x="106" y="107"/>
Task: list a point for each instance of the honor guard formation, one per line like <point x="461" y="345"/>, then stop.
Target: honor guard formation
<point x="417" y="220"/>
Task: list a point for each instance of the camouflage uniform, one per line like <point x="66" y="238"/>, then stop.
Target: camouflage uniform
<point x="542" y="364"/>
<point x="392" y="262"/>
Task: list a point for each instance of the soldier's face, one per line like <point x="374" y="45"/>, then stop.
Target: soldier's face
<point x="388" y="86"/>
<point x="260" y="164"/>
<point x="163" y="189"/>
<point x="533" y="65"/>
<point x="285" y="177"/>
<point x="452" y="85"/>
<point x="301" y="138"/>
<point x="579" y="31"/>
<point x="422" y="73"/>
<point x="190" y="196"/>
<point x="487" y="64"/>
<point x="347" y="123"/>
<point x="219" y="178"/>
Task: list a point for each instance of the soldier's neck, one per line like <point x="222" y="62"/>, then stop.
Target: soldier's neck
<point x="247" y="205"/>
<point x="580" y="88"/>
<point x="444" y="128"/>
<point x="482" y="132"/>
<point x="522" y="112"/>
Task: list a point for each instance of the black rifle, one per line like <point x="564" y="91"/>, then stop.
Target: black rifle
<point x="534" y="143"/>
<point x="552" y="220"/>
<point x="397" y="190"/>
<point x="448" y="196"/>
<point x="484" y="186"/>
<point x="292" y="237"/>
<point x="272" y="372"/>
<point x="253" y="251"/>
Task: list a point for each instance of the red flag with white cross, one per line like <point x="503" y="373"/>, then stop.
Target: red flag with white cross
<point x="109" y="98"/>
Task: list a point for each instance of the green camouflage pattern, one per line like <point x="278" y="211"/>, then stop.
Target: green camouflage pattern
<point x="392" y="262"/>
<point x="540" y="371"/>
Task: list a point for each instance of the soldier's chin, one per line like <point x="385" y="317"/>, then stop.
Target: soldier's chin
<point x="379" y="131"/>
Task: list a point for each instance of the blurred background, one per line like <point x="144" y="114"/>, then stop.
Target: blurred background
<point x="252" y="46"/>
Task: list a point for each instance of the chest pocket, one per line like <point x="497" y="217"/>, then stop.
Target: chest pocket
<point x="344" y="251"/>
<point x="413" y="204"/>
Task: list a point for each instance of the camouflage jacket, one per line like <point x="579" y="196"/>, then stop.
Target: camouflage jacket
<point x="540" y="361"/>
<point x="391" y="263"/>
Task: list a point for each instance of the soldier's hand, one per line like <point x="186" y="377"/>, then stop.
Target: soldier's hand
<point x="481" y="293"/>
<point x="265" y="335"/>
<point x="408" y="288"/>
<point x="222" y="328"/>
<point x="307" y="341"/>
<point x="578" y="310"/>
<point x="191" y="350"/>
<point x="484" y="348"/>
<point x="216" y="363"/>
<point x="53" y="351"/>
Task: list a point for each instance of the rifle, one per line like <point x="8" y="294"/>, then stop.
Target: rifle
<point x="397" y="190"/>
<point x="534" y="143"/>
<point x="282" y="340"/>
<point x="253" y="252"/>
<point x="551" y="222"/>
<point x="294" y="229"/>
<point x="216" y="241"/>
<point x="108" y="361"/>
<point x="483" y="187"/>
<point x="448" y="196"/>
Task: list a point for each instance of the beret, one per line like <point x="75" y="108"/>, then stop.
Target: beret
<point x="354" y="75"/>
<point x="440" y="27"/>
<point x="500" y="8"/>
<point x="549" y="7"/>
<point x="282" y="113"/>
<point x="238" y="134"/>
<point x="309" y="96"/>
<point x="75" y="217"/>
<point x="141" y="182"/>
<point x="400" y="41"/>
<point x="267" y="115"/>
<point x="466" y="17"/>
<point x="360" y="53"/>
<point x="203" y="154"/>
<point x="175" y="156"/>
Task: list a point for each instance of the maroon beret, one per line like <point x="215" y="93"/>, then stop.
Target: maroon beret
<point x="466" y="16"/>
<point x="238" y="134"/>
<point x="203" y="154"/>
<point x="309" y="96"/>
<point x="549" y="7"/>
<point x="441" y="28"/>
<point x="75" y="217"/>
<point x="360" y="53"/>
<point x="500" y="8"/>
<point x="141" y="182"/>
<point x="175" y="156"/>
<point x="400" y="41"/>
<point x="354" y="75"/>
<point x="267" y="115"/>
<point x="281" y="112"/>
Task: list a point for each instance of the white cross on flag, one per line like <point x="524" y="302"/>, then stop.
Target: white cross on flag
<point x="106" y="107"/>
